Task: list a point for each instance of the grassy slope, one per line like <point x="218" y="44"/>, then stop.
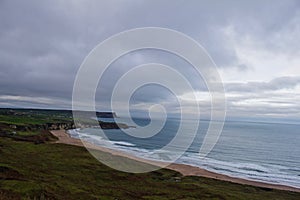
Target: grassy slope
<point x="58" y="171"/>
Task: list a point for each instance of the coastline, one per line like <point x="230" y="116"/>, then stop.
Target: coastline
<point x="185" y="170"/>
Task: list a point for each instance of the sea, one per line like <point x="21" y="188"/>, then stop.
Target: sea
<point x="259" y="151"/>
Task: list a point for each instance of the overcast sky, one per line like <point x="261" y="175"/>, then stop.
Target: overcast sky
<point x="255" y="44"/>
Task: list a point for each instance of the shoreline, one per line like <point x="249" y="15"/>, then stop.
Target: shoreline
<point x="185" y="170"/>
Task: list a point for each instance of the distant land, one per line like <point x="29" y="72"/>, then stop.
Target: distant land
<point x="23" y="111"/>
<point x="35" y="119"/>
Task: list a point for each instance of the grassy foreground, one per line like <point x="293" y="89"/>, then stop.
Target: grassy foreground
<point x="58" y="171"/>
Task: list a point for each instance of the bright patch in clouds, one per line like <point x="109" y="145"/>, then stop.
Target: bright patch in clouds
<point x="263" y="61"/>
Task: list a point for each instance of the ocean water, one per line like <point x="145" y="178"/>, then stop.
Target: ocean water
<point x="266" y="152"/>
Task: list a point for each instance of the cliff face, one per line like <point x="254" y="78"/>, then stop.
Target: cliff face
<point x="59" y="126"/>
<point x="106" y="114"/>
<point x="112" y="125"/>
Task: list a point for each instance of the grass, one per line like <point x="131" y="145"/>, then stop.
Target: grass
<point x="58" y="171"/>
<point x="20" y="120"/>
<point x="25" y="117"/>
<point x="27" y="133"/>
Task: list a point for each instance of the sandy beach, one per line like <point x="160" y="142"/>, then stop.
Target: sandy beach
<point x="185" y="170"/>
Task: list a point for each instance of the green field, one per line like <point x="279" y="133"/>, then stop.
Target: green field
<point x="27" y="116"/>
<point x="47" y="170"/>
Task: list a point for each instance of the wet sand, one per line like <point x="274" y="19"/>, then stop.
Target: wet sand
<point x="185" y="170"/>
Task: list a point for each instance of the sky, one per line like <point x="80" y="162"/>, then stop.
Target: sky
<point x="255" y="45"/>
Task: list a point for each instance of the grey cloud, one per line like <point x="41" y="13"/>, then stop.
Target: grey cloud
<point x="275" y="84"/>
<point x="43" y="43"/>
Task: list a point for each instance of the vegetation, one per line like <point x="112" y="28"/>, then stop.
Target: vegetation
<point x="28" y="119"/>
<point x="58" y="171"/>
<point x="30" y="116"/>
